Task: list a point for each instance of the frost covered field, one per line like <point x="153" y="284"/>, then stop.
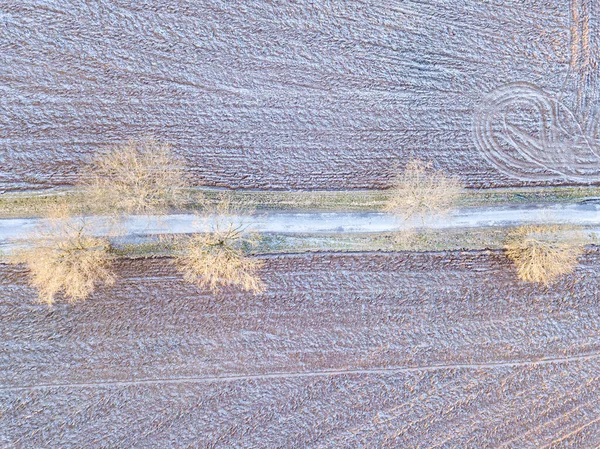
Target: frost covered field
<point x="302" y="94"/>
<point x="362" y="350"/>
<point x="341" y="350"/>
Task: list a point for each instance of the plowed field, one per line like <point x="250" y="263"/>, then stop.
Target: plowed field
<point x="304" y="95"/>
<point x="356" y="350"/>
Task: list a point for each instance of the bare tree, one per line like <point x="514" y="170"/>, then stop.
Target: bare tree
<point x="542" y="253"/>
<point x="419" y="191"/>
<point x="219" y="257"/>
<point x="64" y="257"/>
<point x="138" y="177"/>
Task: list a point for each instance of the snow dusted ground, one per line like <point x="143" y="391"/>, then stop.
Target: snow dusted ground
<point x="306" y="95"/>
<point x="432" y="350"/>
<point x="341" y="351"/>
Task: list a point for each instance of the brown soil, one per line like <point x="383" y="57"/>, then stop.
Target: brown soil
<point x="303" y="96"/>
<point x="357" y="350"/>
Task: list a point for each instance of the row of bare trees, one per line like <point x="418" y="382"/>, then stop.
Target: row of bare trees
<point x="541" y="253"/>
<point x="66" y="257"/>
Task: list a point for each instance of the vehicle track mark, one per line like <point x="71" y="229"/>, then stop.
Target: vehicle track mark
<point x="233" y="378"/>
<point x="566" y="144"/>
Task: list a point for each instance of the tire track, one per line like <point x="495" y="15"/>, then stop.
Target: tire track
<point x="393" y="370"/>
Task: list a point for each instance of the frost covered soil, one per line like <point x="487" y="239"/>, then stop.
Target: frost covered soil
<point x="368" y="350"/>
<point x="308" y="95"/>
<point x="357" y="350"/>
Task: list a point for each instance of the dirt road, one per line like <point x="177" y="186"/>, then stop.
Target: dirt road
<point x="357" y="350"/>
<point x="11" y="230"/>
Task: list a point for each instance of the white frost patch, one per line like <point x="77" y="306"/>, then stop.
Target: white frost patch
<point x="331" y="222"/>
